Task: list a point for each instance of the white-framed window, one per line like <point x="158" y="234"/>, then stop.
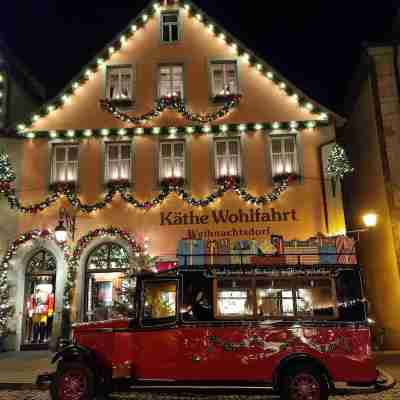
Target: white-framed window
<point x="224" y="78"/>
<point x="227" y="158"/>
<point x="170" y="28"/>
<point x="118" y="161"/>
<point x="65" y="163"/>
<point x="170" y="81"/>
<point x="172" y="159"/>
<point x="284" y="155"/>
<point x="119" y="83"/>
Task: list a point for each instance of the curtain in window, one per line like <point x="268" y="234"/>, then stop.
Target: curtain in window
<point x="284" y="155"/>
<point x="119" y="161"/>
<point x="224" y="78"/>
<point x="171" y="81"/>
<point x="172" y="160"/>
<point x="227" y="158"/>
<point x="65" y="164"/>
<point x="119" y="83"/>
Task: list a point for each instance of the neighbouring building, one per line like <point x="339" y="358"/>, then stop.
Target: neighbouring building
<point x="20" y="95"/>
<point x="174" y="130"/>
<point x="372" y="138"/>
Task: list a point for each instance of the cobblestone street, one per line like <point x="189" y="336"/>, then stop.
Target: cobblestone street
<point x="393" y="394"/>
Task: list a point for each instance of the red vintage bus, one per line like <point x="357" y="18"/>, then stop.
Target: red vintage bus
<point x="297" y="330"/>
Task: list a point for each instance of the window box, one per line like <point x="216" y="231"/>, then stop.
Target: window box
<point x="288" y="177"/>
<point x="63" y="187"/>
<point x="224" y="98"/>
<point x="172" y="182"/>
<point x="229" y="181"/>
<point x="122" y="103"/>
<point x="122" y="183"/>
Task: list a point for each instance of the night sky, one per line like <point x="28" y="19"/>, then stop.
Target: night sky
<point x="316" y="44"/>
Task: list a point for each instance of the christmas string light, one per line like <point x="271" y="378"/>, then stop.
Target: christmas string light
<point x="215" y="129"/>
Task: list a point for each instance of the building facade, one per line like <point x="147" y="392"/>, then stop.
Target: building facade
<point x="176" y="130"/>
<point x="372" y="140"/>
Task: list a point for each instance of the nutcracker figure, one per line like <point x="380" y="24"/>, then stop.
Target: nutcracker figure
<point x="40" y="308"/>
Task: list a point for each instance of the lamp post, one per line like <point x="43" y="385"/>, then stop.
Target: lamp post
<point x="60" y="232"/>
<point x="370" y="220"/>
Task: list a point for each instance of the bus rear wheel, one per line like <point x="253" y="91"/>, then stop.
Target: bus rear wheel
<point x="304" y="382"/>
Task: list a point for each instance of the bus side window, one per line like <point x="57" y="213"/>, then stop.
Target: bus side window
<point x="350" y="300"/>
<point x="295" y="297"/>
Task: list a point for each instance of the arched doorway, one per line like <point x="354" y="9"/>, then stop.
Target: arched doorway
<point x="107" y="284"/>
<point x="40" y="281"/>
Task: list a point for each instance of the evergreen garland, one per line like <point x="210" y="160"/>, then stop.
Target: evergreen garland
<point x="173" y="103"/>
<point x="225" y="184"/>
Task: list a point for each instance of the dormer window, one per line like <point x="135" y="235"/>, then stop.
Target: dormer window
<point x="119" y="85"/>
<point x="170" y="27"/>
<point x="224" y="79"/>
<point x="170" y="81"/>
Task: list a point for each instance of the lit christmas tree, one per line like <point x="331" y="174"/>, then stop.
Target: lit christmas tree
<point x="7" y="173"/>
<point x="338" y="163"/>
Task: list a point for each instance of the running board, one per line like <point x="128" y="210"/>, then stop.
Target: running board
<point x="199" y="387"/>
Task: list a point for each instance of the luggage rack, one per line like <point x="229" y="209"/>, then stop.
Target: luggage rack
<point x="190" y="263"/>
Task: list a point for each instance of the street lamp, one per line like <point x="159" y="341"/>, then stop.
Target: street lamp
<point x="370" y="220"/>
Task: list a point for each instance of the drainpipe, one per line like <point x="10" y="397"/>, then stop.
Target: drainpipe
<point x="397" y="65"/>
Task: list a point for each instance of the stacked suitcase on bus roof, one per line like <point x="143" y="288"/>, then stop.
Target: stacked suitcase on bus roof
<point x="274" y="251"/>
<point x="318" y="250"/>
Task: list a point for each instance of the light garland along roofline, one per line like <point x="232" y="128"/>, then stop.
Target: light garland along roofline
<point x="267" y="127"/>
<point x="138" y="23"/>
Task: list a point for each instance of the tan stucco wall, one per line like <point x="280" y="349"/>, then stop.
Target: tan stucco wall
<point x="262" y="101"/>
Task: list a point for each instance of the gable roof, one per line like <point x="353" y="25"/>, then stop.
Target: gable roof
<point x="321" y="113"/>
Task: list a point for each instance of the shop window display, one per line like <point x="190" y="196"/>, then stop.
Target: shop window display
<point x="40" y="302"/>
<point x="107" y="282"/>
